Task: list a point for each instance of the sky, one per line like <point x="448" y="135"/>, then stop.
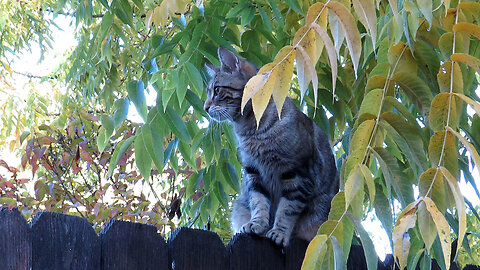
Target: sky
<point x="64" y="40"/>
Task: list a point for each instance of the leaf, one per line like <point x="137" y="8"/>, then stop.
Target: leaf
<point x="367" y="244"/>
<point x="136" y="93"/>
<point x="255" y="84"/>
<point x="153" y="136"/>
<point x="427" y="228"/>
<point x="383" y="211"/>
<point x="467" y="145"/>
<point x="142" y="157"/>
<point x="351" y="32"/>
<point x="401" y="238"/>
<point x="467" y="59"/>
<point x="352" y="185"/>
<point x="372" y="103"/>
<point x="394" y="7"/>
<point x="401" y="59"/>
<point x="442" y="228"/>
<point x="444" y="77"/>
<point x="367" y="175"/>
<point x="443" y="109"/>
<point x="295" y="6"/>
<point x="445" y="44"/>
<point x="332" y="57"/>
<point x="121" y="112"/>
<point x="177" y="125"/>
<point x="196" y="81"/>
<point x="416" y="90"/>
<point x="394" y="176"/>
<point x="362" y="135"/>
<point x="306" y="61"/>
<point x="284" y="58"/>
<point x="231" y="176"/>
<point x="118" y="153"/>
<point x="432" y="182"/>
<point x="315" y="252"/>
<point x="469" y="28"/>
<point x="469" y="101"/>
<point x="460" y="204"/>
<point x="425" y="7"/>
<point x="365" y="10"/>
<point x="442" y="145"/>
<point x="339" y="256"/>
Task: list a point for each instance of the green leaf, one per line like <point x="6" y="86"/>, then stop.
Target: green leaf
<point x="295" y="6"/>
<point x="265" y="19"/>
<point x="444" y="146"/>
<point x="194" y="182"/>
<point x="153" y="136"/>
<point x="121" y="112"/>
<point x="196" y="81"/>
<point x="443" y="107"/>
<point x="231" y="176"/>
<point x="247" y="15"/>
<point x="182" y="87"/>
<point x="384" y="213"/>
<point x="101" y="139"/>
<point x="371" y="104"/>
<point x="315" y="252"/>
<point x="416" y="90"/>
<point x="136" y="93"/>
<point x="394" y="176"/>
<point x="118" y="153"/>
<point x="340" y="260"/>
<point x="426" y="226"/>
<point x="107" y="21"/>
<point x="142" y="156"/>
<point x="177" y="125"/>
<point x="367" y="244"/>
<point x="219" y="192"/>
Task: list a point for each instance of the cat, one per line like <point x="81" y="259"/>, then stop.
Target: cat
<point x="290" y="175"/>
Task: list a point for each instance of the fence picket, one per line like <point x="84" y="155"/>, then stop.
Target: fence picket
<point x="15" y="241"/>
<point x="127" y="245"/>
<point x="64" y="242"/>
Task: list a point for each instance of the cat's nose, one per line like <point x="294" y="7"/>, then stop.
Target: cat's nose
<point x="207" y="105"/>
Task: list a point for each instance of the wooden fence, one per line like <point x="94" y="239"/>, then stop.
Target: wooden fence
<point x="55" y="242"/>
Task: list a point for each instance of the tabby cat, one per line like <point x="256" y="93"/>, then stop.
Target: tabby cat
<point x="290" y="176"/>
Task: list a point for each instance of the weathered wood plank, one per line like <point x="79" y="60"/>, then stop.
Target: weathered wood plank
<point x="127" y="245"/>
<point x="250" y="252"/>
<point x="196" y="249"/>
<point x="64" y="242"/>
<point x="15" y="241"/>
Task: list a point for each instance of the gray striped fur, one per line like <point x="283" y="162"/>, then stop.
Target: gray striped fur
<point x="290" y="176"/>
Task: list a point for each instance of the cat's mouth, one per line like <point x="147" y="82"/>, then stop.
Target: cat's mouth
<point x="219" y="114"/>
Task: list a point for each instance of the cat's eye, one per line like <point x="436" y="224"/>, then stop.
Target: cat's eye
<point x="216" y="90"/>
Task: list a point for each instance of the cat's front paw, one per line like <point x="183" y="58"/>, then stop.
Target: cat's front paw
<point x="278" y="236"/>
<point x="254" y="227"/>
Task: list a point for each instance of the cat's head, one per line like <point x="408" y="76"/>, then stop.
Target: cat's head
<point x="225" y="90"/>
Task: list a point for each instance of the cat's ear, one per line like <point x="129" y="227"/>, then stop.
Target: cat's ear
<point x="230" y="61"/>
<point x="248" y="69"/>
<point x="211" y="69"/>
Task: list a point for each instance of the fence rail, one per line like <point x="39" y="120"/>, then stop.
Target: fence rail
<point x="55" y="242"/>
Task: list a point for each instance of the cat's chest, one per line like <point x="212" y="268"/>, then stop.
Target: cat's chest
<point x="264" y="151"/>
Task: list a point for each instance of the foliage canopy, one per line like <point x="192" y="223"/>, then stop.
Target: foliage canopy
<point x="391" y="82"/>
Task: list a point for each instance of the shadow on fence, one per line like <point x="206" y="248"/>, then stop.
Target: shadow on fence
<point x="55" y="242"/>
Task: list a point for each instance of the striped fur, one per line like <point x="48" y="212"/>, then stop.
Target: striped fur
<point x="290" y="176"/>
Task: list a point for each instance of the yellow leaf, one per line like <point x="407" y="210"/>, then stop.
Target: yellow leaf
<point x="442" y="145"/>
<point x="332" y="57"/>
<point x="401" y="238"/>
<point x="469" y="28"/>
<point x="444" y="78"/>
<point x="401" y="60"/>
<point x="160" y="14"/>
<point x="311" y="70"/>
<point x="472" y="7"/>
<point x="467" y="59"/>
<point x="434" y="187"/>
<point x="253" y="86"/>
<point x="367" y="175"/>
<point x="470" y="101"/>
<point x="352" y="34"/>
<point x="317" y="13"/>
<point x="362" y="135"/>
<point x="148" y="19"/>
<point x="460" y="203"/>
<point x="365" y="10"/>
<point x="315" y="252"/>
<point x="284" y="58"/>
<point x="469" y="146"/>
<point x="352" y="185"/>
<point x="443" y="109"/>
<point x="442" y="228"/>
<point x="372" y="103"/>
